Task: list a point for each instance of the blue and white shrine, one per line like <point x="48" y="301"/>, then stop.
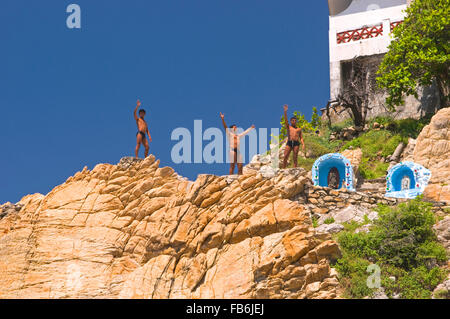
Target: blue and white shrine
<point x="333" y="170"/>
<point x="406" y="180"/>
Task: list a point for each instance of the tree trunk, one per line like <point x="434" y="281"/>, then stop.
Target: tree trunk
<point x="358" y="119"/>
<point x="444" y="91"/>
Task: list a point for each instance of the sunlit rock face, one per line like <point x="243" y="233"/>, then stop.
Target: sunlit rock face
<point x="432" y="150"/>
<point x="137" y="230"/>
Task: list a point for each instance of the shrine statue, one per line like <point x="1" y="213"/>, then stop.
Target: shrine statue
<point x="333" y="178"/>
<point x="405" y="183"/>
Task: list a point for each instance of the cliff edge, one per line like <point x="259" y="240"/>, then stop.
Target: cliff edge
<point x="137" y="230"/>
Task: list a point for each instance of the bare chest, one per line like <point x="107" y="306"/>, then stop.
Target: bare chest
<point x="142" y="125"/>
<point x="293" y="133"/>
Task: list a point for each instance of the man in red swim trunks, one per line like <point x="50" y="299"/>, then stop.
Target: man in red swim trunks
<point x="142" y="130"/>
<point x="295" y="136"/>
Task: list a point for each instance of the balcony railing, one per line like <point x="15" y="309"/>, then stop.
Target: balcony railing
<point x="360" y="34"/>
<point x="394" y="25"/>
<point x="363" y="33"/>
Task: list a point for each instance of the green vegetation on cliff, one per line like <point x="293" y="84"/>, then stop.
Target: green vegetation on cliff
<point x="402" y="243"/>
<point x="376" y="144"/>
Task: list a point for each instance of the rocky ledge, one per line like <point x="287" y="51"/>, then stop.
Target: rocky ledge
<point x="9" y="208"/>
<point x="137" y="230"/>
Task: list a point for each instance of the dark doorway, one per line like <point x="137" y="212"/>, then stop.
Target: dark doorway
<point x="333" y="178"/>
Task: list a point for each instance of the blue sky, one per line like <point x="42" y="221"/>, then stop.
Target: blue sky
<point x="67" y="96"/>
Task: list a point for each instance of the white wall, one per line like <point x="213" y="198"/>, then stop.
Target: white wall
<point x="365" y="5"/>
<point x="347" y="51"/>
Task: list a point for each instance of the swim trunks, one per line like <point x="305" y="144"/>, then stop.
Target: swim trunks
<point x="292" y="143"/>
<point x="142" y="134"/>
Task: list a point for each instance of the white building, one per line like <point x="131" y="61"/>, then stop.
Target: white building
<point x="364" y="28"/>
<point x="359" y="28"/>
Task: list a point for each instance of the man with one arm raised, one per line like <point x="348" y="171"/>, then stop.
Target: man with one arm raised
<point x="142" y="131"/>
<point x="295" y="136"/>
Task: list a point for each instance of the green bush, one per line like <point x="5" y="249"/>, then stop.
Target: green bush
<point x="404" y="228"/>
<point x="359" y="244"/>
<point x="351" y="226"/>
<point x="371" y="169"/>
<point x="420" y="282"/>
<point x="403" y="244"/>
<point x="411" y="127"/>
<point x="319" y="145"/>
<point x="353" y="275"/>
<point x="329" y="220"/>
<point x="337" y="127"/>
<point x="430" y="252"/>
<point x="405" y="127"/>
<point x="358" y="287"/>
<point x="375" y="143"/>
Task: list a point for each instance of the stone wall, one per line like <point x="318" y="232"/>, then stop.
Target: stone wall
<point x="323" y="200"/>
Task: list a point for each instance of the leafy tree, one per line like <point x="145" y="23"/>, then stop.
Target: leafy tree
<point x="419" y="54"/>
<point x="315" y="119"/>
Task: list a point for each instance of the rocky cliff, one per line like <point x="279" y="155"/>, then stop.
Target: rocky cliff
<point x="432" y="150"/>
<point x="137" y="230"/>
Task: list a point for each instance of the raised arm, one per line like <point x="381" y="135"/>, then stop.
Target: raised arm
<point x="222" y="116"/>
<point x="247" y="131"/>
<point x="138" y="103"/>
<point x="286" y="122"/>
